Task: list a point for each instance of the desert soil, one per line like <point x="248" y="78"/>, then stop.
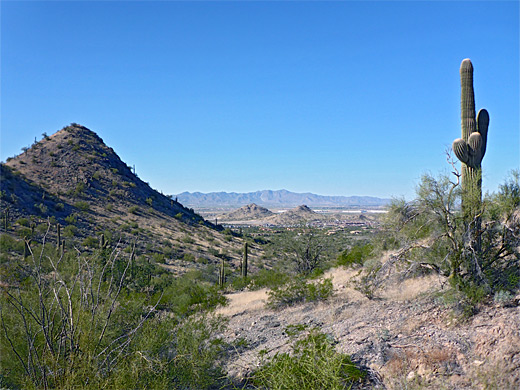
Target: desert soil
<point x="406" y="338"/>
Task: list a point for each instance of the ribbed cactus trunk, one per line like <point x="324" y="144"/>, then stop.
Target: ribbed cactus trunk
<point x="58" y="240"/>
<point x="222" y="274"/>
<point x="244" y="262"/>
<point x="470" y="150"/>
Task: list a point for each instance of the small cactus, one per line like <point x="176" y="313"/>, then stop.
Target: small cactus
<point x="6" y="219"/>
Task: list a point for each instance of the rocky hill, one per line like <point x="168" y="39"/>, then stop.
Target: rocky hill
<point x="73" y="178"/>
<point x="298" y="215"/>
<point x="280" y="198"/>
<point x="247" y="213"/>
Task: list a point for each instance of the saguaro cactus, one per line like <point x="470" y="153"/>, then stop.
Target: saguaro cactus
<point x="244" y="262"/>
<point x="222" y="274"/>
<point x="470" y="149"/>
<point x="58" y="234"/>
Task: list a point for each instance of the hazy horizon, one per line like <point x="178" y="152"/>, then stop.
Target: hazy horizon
<point x="332" y="98"/>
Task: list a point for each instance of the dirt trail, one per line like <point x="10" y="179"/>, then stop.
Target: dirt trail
<point x="404" y="337"/>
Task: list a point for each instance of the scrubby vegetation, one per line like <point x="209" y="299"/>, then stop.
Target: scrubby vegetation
<point x="312" y="364"/>
<point x="431" y="236"/>
<point x="299" y="290"/>
<point x="104" y="319"/>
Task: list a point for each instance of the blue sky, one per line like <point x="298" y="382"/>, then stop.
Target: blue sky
<point x="335" y="98"/>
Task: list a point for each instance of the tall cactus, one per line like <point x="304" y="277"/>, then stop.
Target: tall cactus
<point x="244" y="262"/>
<point x="58" y="240"/>
<point x="470" y="149"/>
<point x="222" y="273"/>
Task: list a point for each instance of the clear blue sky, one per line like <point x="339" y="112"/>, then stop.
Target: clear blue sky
<point x="335" y="98"/>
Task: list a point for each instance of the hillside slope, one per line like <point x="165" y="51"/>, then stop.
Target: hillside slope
<point x="405" y="337"/>
<point x="75" y="179"/>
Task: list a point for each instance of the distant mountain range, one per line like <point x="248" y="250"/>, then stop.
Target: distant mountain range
<point x="280" y="198"/>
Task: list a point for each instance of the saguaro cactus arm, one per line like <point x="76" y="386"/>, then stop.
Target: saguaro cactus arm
<point x="482" y="127"/>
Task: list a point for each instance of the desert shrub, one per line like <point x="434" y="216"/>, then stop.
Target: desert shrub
<point x="82" y="206"/>
<point x="197" y="351"/>
<point x="133" y="209"/>
<point x="188" y="240"/>
<point x="24" y="232"/>
<point x="41" y="208"/>
<point x="312" y="364"/>
<point x="188" y="294"/>
<point x="355" y="255"/>
<point x="269" y="278"/>
<point x="53" y="336"/>
<point x="70" y="231"/>
<point x="304" y="249"/>
<point x="188" y="257"/>
<point x="79" y="189"/>
<point x="59" y="206"/>
<point x="71" y="219"/>
<point x="433" y="235"/>
<point x="299" y="291"/>
<point x="23" y="222"/>
<point x="95" y="324"/>
<point x="213" y="251"/>
<point x="91" y="242"/>
<point x="10" y="244"/>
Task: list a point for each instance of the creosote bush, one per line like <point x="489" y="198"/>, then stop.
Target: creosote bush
<point x="313" y="364"/>
<point x="299" y="291"/>
<point x="355" y="255"/>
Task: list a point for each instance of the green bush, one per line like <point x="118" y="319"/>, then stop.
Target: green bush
<point x="23" y="222"/>
<point x="10" y="244"/>
<point x="355" y="255"/>
<point x="133" y="210"/>
<point x="313" y="364"/>
<point x="298" y="291"/>
<point x="70" y="231"/>
<point x="91" y="242"/>
<point x="270" y="278"/>
<point x="71" y="219"/>
<point x="82" y="206"/>
<point x="188" y="257"/>
<point x="41" y="208"/>
<point x="89" y="327"/>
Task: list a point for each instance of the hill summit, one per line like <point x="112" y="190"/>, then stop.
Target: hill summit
<point x="248" y="212"/>
<point x="74" y="179"/>
<point x="76" y="165"/>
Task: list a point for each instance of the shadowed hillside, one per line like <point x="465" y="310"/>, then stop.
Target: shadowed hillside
<point x="73" y="178"/>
